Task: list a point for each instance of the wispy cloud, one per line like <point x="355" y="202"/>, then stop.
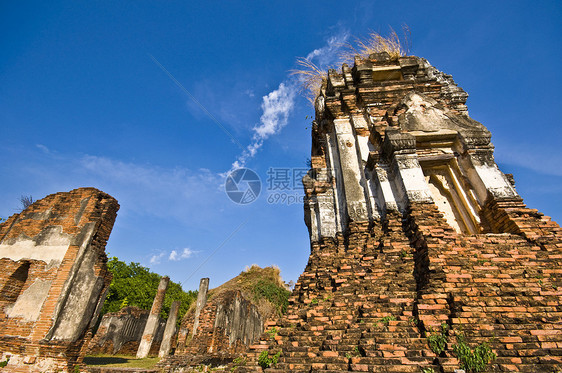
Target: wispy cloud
<point x="276" y="107"/>
<point x="142" y="189"/>
<point x="156" y="191"/>
<point x="155" y="259"/>
<point x="278" y="104"/>
<point x="43" y="148"/>
<point x="186" y="253"/>
<point x="172" y="256"/>
<point x="329" y="54"/>
<point x="542" y="159"/>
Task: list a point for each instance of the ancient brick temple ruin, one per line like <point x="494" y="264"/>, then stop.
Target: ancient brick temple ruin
<point x="121" y="332"/>
<point x="415" y="233"/>
<point x="223" y="322"/>
<point x="54" y="279"/>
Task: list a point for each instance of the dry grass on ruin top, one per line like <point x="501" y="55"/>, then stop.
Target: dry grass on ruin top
<point x="312" y="77"/>
<point x="121" y="361"/>
<point x="376" y="43"/>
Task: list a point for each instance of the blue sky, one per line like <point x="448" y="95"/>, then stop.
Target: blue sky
<point x="85" y="101"/>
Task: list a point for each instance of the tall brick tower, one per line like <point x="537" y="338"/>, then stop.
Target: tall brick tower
<point x="422" y="252"/>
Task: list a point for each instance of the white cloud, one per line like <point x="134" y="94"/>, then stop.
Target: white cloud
<point x="329" y="54"/>
<point x="185" y="254"/>
<point x="277" y="105"/>
<point x="542" y="159"/>
<point x="174" y="255"/>
<point x="156" y="191"/>
<point x="43" y="148"/>
<point x="155" y="259"/>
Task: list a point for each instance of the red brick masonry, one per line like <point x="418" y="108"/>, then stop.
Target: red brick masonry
<point x="52" y="334"/>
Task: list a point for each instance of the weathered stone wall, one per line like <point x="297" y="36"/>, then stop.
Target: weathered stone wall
<point x="121" y="333"/>
<point x="228" y="323"/>
<point x="413" y="227"/>
<point x="54" y="279"/>
<point x="368" y="302"/>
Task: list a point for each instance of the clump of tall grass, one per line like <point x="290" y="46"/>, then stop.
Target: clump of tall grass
<point x="376" y="43"/>
<point x="312" y="76"/>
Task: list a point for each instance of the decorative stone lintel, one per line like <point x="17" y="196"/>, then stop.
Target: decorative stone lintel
<point x="396" y="142"/>
<point x="475" y="139"/>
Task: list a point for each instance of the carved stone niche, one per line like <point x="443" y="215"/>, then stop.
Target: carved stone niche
<point x="446" y="166"/>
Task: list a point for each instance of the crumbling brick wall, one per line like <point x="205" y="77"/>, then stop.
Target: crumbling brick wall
<point x="414" y="231"/>
<point x="369" y="300"/>
<point x="121" y="332"/>
<point x="227" y="324"/>
<point x="54" y="279"/>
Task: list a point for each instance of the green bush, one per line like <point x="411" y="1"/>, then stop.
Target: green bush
<point x="265" y="361"/>
<point x="428" y="370"/>
<point x="473" y="360"/>
<point x="438" y="341"/>
<point x="238" y="362"/>
<point x="135" y="285"/>
<point x="387" y="319"/>
<point x="275" y="294"/>
<point x="272" y="332"/>
<point x="4" y="363"/>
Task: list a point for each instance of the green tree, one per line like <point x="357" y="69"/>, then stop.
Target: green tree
<point x="135" y="285"/>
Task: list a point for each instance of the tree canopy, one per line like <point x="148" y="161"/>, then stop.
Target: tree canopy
<point x="135" y="285"/>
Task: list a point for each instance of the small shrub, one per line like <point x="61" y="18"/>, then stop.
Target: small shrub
<point x="438" y="341"/>
<point x="4" y="363"/>
<point x="275" y="294"/>
<point x="376" y="43"/>
<point x="272" y="332"/>
<point x="428" y="370"/>
<point x="314" y="301"/>
<point x="473" y="360"/>
<point x="385" y="320"/>
<point x="238" y="362"/>
<point x="265" y="361"/>
<point x="356" y="353"/>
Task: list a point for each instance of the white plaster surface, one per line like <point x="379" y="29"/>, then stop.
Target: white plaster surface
<point x="386" y="196"/>
<point x="414" y="184"/>
<point x="338" y="192"/>
<point x="352" y="176"/>
<point x="359" y="122"/>
<point x="49" y="246"/>
<point x="326" y="215"/>
<point x="495" y="181"/>
<point x="52" y="254"/>
<point x="42" y="364"/>
<point x="29" y="303"/>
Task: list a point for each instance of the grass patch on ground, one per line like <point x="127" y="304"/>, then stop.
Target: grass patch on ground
<point x="121" y="361"/>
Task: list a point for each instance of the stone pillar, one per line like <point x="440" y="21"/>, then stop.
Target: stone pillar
<point x="170" y="329"/>
<point x="152" y="322"/>
<point x="353" y="180"/>
<point x="408" y="179"/>
<point x="201" y="301"/>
